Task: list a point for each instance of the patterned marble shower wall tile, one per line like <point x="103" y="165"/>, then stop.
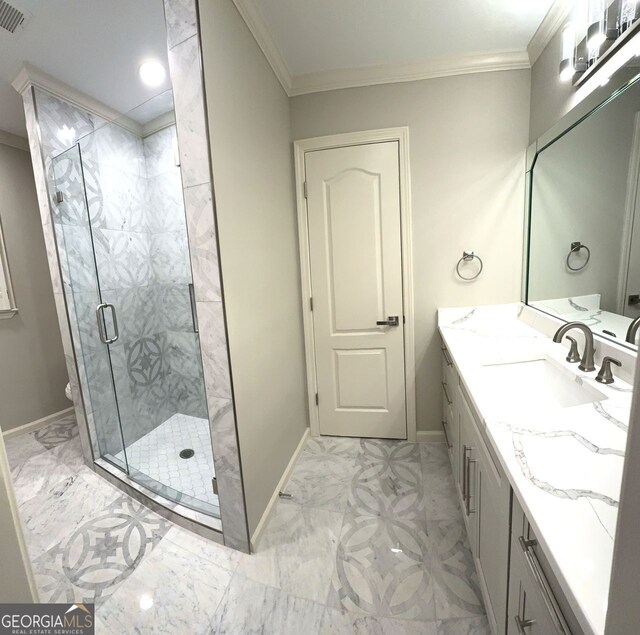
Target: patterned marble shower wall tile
<point x="138" y="311"/>
<point x="170" y="258"/>
<point x="174" y="307"/>
<point x="185" y="394"/>
<point x="61" y="124"/>
<point x="182" y="354"/>
<point x="181" y="20"/>
<point x="186" y="76"/>
<point x="165" y="205"/>
<point x="202" y="242"/>
<point x="67" y="177"/>
<point x="123" y="259"/>
<point x="123" y="199"/>
<point x="158" y="153"/>
<point x="112" y="146"/>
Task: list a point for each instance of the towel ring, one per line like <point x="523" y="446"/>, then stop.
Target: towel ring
<point x="468" y="256"/>
<point x="575" y="248"/>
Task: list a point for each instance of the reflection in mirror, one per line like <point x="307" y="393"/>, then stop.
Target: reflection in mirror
<point x="584" y="241"/>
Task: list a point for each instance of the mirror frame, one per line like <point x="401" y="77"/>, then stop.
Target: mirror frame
<point x="596" y="101"/>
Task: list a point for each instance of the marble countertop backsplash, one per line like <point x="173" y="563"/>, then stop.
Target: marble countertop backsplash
<point x="564" y="464"/>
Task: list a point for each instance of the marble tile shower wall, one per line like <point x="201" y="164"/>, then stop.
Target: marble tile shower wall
<point x="138" y="236"/>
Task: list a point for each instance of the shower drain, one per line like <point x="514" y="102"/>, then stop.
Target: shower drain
<point x="186" y="453"/>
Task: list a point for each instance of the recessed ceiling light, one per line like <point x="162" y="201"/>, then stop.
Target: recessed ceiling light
<point x="152" y="73"/>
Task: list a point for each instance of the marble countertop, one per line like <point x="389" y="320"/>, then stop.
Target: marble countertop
<point x="564" y="464"/>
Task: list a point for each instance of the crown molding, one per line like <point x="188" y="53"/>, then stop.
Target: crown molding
<point x="262" y="35"/>
<point x="29" y="76"/>
<point x="9" y="139"/>
<point x="555" y="18"/>
<point x="161" y="122"/>
<point x="409" y="72"/>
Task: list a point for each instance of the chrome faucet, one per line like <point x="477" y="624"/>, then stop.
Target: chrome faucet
<point x="632" y="331"/>
<point x="586" y="363"/>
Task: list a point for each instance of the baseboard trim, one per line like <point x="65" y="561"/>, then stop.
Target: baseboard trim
<point x="257" y="534"/>
<point x="39" y="423"/>
<point x="432" y="436"/>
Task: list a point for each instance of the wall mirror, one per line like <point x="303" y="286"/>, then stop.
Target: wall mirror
<point x="8" y="306"/>
<point x="584" y="220"/>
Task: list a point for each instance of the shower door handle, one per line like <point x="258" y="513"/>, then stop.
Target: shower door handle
<point x="102" y="329"/>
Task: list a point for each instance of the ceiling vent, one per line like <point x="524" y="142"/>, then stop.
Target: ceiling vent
<point x="12" y="19"/>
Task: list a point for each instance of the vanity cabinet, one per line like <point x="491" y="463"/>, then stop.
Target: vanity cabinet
<point x="533" y="605"/>
<point x="486" y="506"/>
<point x="521" y="595"/>
<point x="483" y="490"/>
<point x="449" y="410"/>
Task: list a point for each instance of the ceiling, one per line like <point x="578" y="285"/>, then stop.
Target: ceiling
<point x="96" y="46"/>
<point x="317" y="36"/>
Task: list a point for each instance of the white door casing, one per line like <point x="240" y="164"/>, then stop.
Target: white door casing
<point x="354" y="240"/>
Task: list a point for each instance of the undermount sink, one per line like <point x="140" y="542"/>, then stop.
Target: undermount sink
<point x="536" y="384"/>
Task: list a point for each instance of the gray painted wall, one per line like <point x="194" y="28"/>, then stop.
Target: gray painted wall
<point x="468" y="136"/>
<point x="253" y="181"/>
<point x="32" y="367"/>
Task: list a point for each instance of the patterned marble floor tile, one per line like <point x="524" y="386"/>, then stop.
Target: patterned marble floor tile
<point x="41" y="474"/>
<point x="296" y="552"/>
<point x="57" y="432"/>
<point x="336" y="622"/>
<point x="472" y="626"/>
<point x="434" y="453"/>
<point x="21" y="448"/>
<point x="388" y="481"/>
<point x="322" y="481"/>
<point x="440" y="495"/>
<point x="343" y="447"/>
<point x="383" y="568"/>
<point x="457" y="591"/>
<point x="251" y="608"/>
<point x="52" y="516"/>
<point x="211" y="551"/>
<point x="100" y="554"/>
<point x="172" y="591"/>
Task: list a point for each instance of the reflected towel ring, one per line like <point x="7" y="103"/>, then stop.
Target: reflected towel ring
<point x="575" y="248"/>
<point x="468" y="256"/>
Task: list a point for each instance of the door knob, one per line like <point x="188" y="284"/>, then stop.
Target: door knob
<point x="392" y="320"/>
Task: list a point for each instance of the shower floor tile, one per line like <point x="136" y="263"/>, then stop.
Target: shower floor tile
<point x="157" y="456"/>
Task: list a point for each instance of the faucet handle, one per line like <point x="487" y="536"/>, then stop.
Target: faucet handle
<point x="605" y="376"/>
<point x="573" y="357"/>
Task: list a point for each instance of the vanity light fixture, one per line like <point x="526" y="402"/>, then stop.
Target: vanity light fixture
<point x="152" y="73"/>
<point x="627" y="14"/>
<point x="597" y="31"/>
<point x="567" y="63"/>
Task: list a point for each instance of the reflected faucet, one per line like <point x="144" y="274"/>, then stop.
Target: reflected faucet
<point x="632" y="331"/>
<point x="586" y="363"/>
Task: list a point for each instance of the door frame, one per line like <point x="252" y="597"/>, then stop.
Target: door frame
<point x="302" y="146"/>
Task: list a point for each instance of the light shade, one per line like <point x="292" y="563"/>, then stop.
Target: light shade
<point x="627" y="13"/>
<point x="152" y="73"/>
<point x="567" y="60"/>
<point x="597" y="32"/>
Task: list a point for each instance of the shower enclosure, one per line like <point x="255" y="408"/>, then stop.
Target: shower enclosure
<point x="121" y="234"/>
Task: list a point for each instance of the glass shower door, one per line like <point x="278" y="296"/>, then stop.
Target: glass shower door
<point x="141" y="317"/>
<point x="74" y="235"/>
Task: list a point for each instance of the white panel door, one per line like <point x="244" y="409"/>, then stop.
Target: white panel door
<point x="353" y="206"/>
